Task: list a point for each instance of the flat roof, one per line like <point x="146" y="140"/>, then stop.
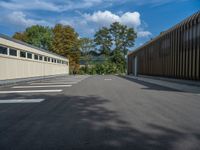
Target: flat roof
<point x="188" y="19"/>
<point x="29" y="45"/>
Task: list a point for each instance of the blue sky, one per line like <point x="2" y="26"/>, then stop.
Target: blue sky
<point x="147" y="17"/>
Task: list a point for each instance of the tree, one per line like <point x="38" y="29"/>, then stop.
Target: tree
<point x="20" y="36"/>
<point x="66" y="43"/>
<point x="115" y="41"/>
<point x="122" y="36"/>
<point x="36" y="35"/>
<point x="103" y="41"/>
<point x="123" y="39"/>
<point x="86" y="46"/>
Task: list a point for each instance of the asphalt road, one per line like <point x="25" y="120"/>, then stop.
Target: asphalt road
<point x="98" y="113"/>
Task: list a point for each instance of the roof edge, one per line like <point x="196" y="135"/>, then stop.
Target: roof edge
<point x="167" y="31"/>
<point x="29" y="45"/>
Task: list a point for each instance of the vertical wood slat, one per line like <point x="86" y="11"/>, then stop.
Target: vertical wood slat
<point x="189" y="52"/>
<point x="198" y="49"/>
<point x="184" y="52"/>
<point x="172" y="54"/>
<point x="193" y="57"/>
<point x="175" y="53"/>
<point x="181" y="52"/>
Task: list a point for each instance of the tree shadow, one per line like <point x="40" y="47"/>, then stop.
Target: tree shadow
<point x="77" y="122"/>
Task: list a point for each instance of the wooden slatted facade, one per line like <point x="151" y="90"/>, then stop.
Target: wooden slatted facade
<point x="174" y="53"/>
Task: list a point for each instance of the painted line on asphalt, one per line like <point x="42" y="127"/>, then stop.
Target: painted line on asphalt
<point x="107" y="79"/>
<point x="41" y="86"/>
<point x="31" y="91"/>
<point x="10" y="101"/>
<point x="52" y="83"/>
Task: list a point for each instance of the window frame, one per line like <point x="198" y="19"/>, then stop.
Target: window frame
<point x="6" y="48"/>
<point x="28" y="53"/>
<point x="40" y="58"/>
<point x="36" y="57"/>
<point x="11" y="50"/>
<point x="21" y="52"/>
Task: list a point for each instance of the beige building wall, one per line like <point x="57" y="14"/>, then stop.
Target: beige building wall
<point x="14" y="67"/>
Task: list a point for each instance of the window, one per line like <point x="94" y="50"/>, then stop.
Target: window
<point x="40" y="58"/>
<point x="49" y="59"/>
<point x="52" y="60"/>
<point x="22" y="54"/>
<point x="59" y="61"/>
<point x="45" y="58"/>
<point x="13" y="52"/>
<point x="36" y="57"/>
<point x="65" y="62"/>
<point x="29" y="55"/>
<point x="3" y="50"/>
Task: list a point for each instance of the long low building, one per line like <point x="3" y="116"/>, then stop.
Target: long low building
<point x="21" y="60"/>
<point x="174" y="53"/>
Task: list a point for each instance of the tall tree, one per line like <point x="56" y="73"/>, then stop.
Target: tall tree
<point x="20" y="36"/>
<point x="36" y="35"/>
<point x="122" y="36"/>
<point x="66" y="43"/>
<point x="103" y="41"/>
<point x="86" y="46"/>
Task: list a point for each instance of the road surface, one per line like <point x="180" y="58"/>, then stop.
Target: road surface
<point x="97" y="113"/>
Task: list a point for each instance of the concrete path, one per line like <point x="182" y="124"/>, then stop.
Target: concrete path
<point x="101" y="113"/>
<point x="171" y="83"/>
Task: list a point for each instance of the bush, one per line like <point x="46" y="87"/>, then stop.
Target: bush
<point x="103" y="68"/>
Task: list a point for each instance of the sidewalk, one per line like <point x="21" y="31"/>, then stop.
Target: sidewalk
<point x="187" y="86"/>
<point x="23" y="80"/>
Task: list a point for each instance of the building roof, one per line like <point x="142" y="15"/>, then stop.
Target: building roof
<point x="29" y="45"/>
<point x="185" y="21"/>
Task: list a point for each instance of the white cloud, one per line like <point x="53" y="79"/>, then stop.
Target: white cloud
<point x="20" y="19"/>
<point x="131" y="19"/>
<point x="106" y="18"/>
<point x="26" y="5"/>
<point x="56" y="6"/>
<point x="103" y="18"/>
<point x="66" y="5"/>
<point x="144" y="34"/>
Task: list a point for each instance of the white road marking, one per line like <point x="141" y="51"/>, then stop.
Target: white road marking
<point x="31" y="91"/>
<point x="42" y="86"/>
<point x="52" y="83"/>
<point x="107" y="79"/>
<point x="21" y="101"/>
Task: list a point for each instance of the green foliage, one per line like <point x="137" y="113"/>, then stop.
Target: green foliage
<point x="66" y="43"/>
<point x="115" y="42"/>
<point x="86" y="46"/>
<point x="103" y="41"/>
<point x="112" y="44"/>
<point x="36" y="35"/>
<point x="122" y="36"/>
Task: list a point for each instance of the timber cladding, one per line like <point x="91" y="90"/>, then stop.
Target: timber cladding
<point x="174" y="53"/>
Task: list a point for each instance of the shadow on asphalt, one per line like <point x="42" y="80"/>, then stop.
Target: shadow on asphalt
<point x="74" y="122"/>
<point x="150" y="86"/>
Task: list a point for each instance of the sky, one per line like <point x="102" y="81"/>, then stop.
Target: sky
<point x="147" y="17"/>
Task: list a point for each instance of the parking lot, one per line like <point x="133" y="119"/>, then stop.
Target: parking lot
<point x="97" y="112"/>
